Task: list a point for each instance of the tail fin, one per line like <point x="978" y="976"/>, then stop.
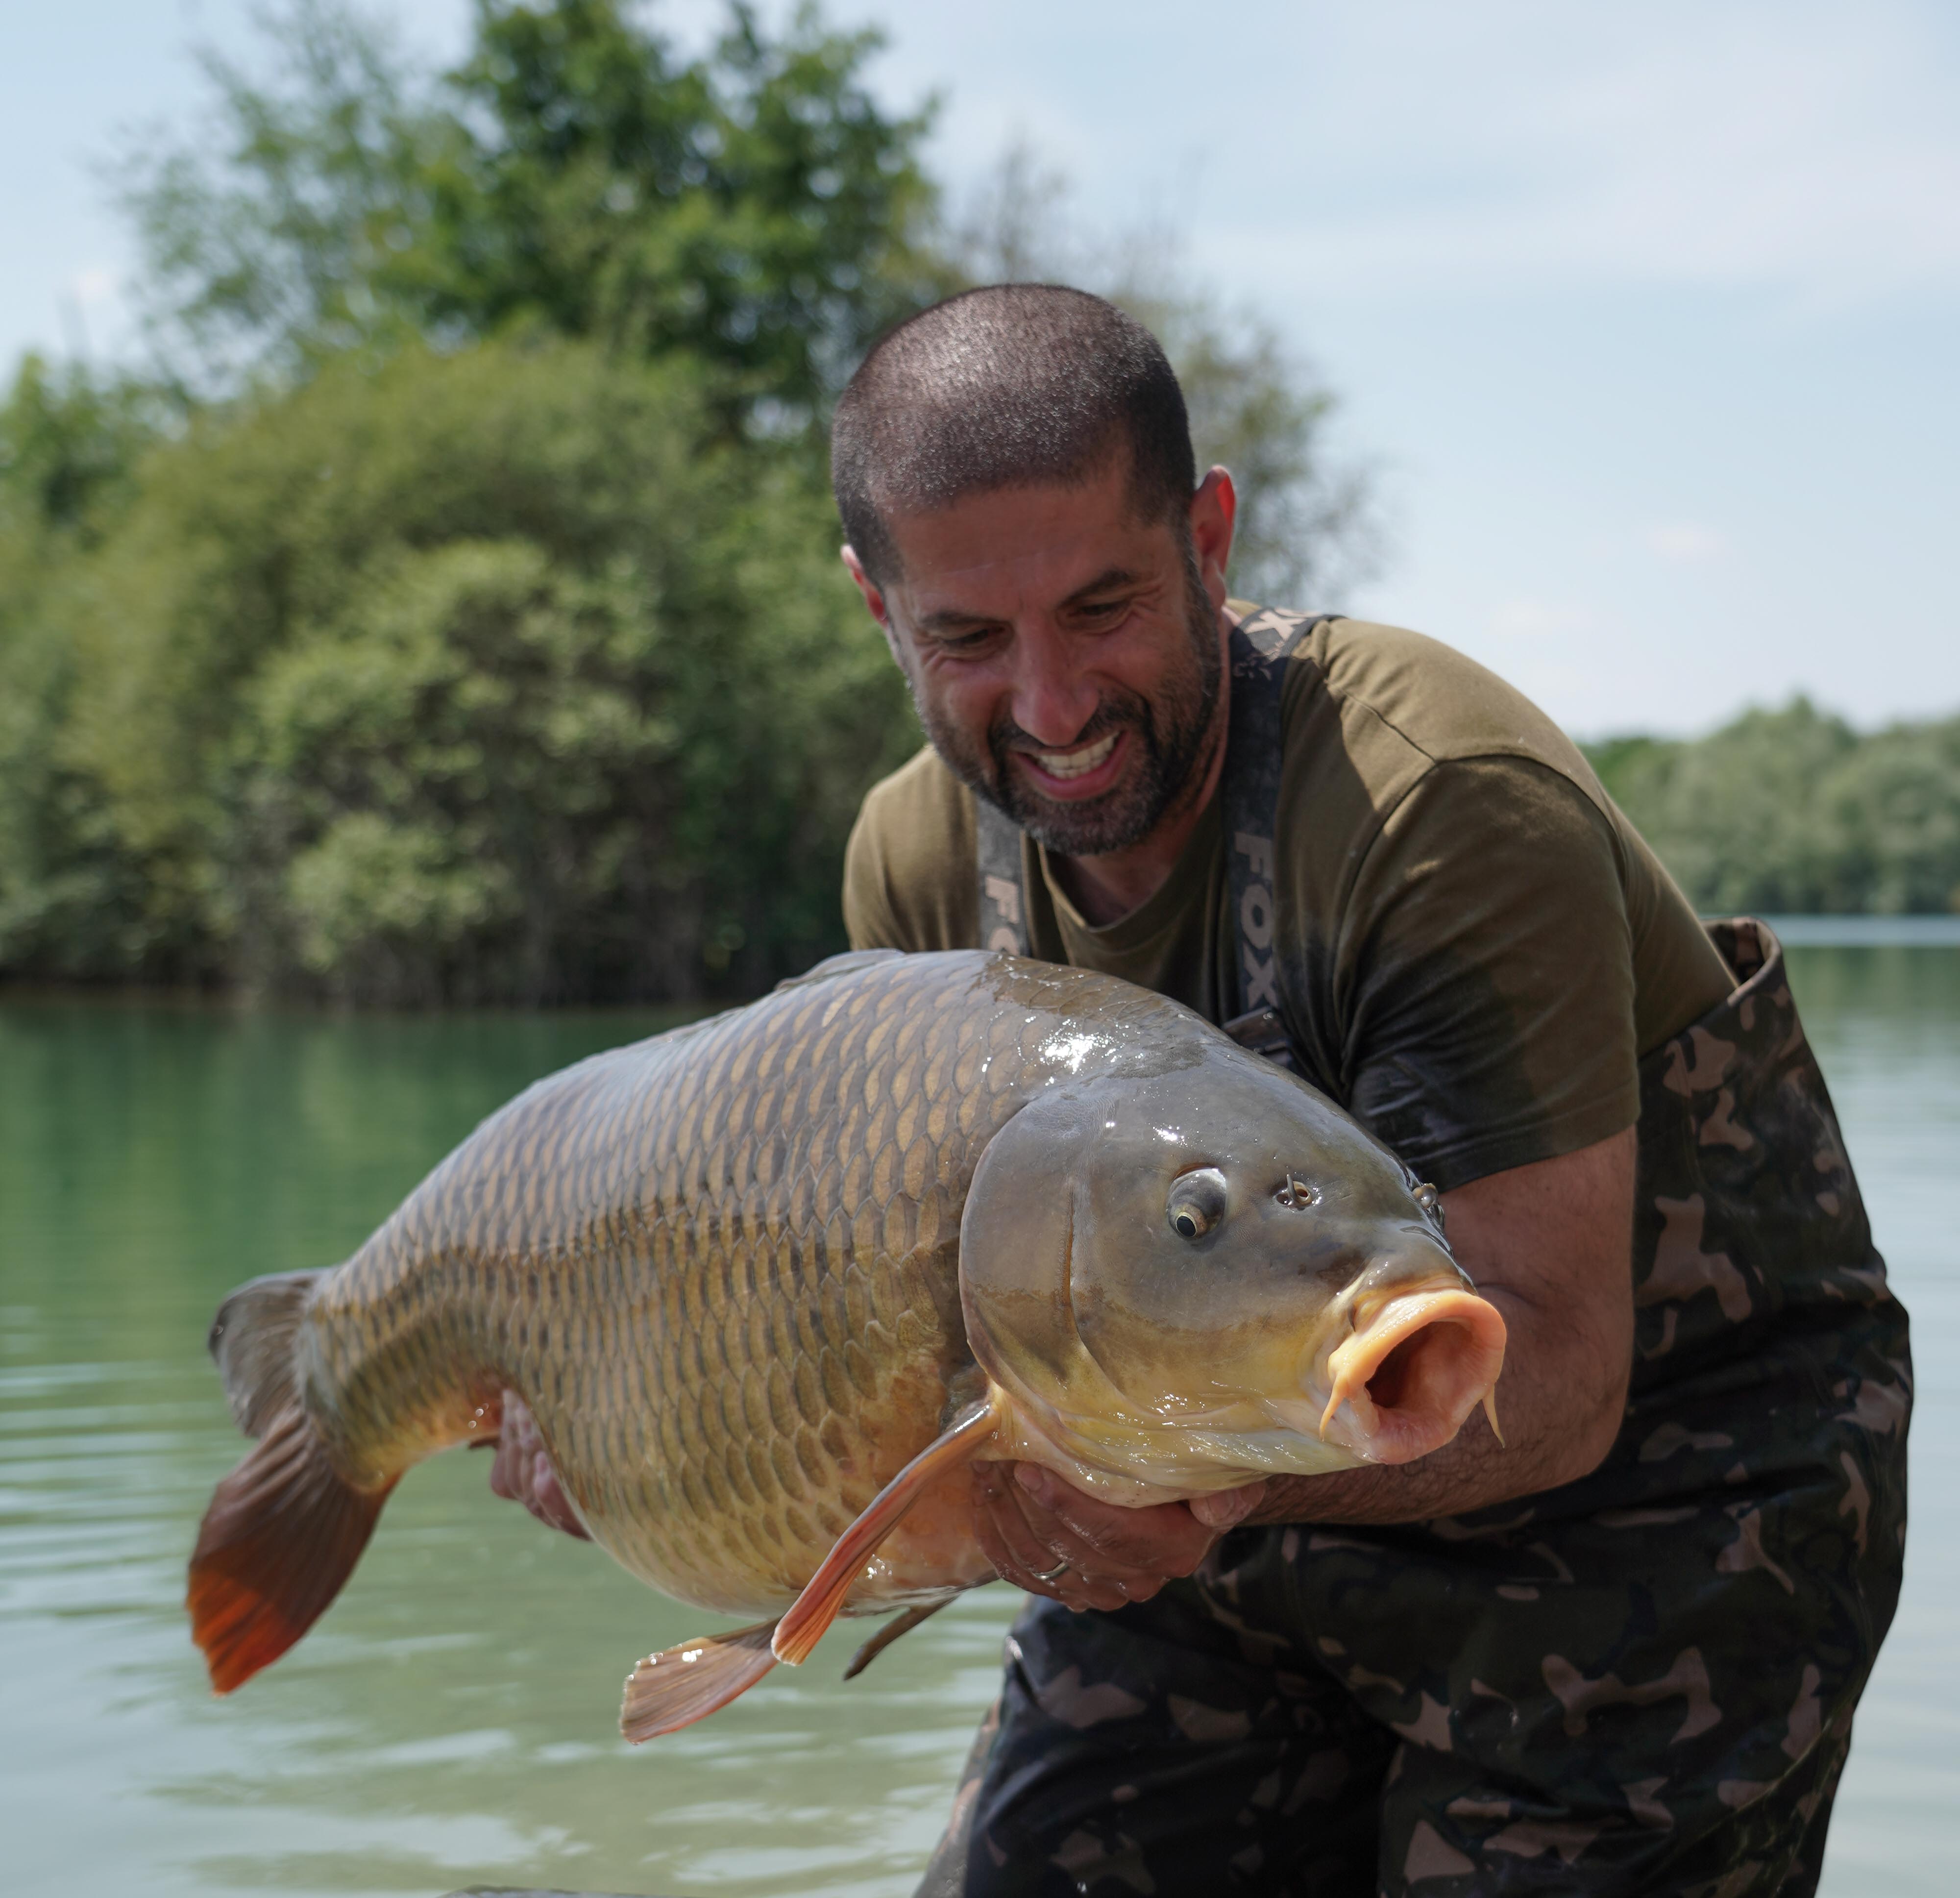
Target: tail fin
<point x="252" y="1340"/>
<point x="282" y="1533"/>
<point x="286" y="1528"/>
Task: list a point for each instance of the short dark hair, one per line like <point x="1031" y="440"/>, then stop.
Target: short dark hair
<point x="1011" y="387"/>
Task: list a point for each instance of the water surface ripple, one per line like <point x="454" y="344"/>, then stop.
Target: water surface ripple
<point x="451" y="1720"/>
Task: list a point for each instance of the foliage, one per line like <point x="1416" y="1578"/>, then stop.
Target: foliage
<point x="754" y="208"/>
<point x="453" y="612"/>
<point x="1792" y="811"/>
<point x="69" y="440"/>
<point x="493" y="675"/>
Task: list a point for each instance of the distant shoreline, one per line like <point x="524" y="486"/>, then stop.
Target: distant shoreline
<point x="1921" y="931"/>
<point x="1867" y="931"/>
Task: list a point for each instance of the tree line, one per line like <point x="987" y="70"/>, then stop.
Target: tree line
<point x="442" y="605"/>
<point x="445" y="606"/>
<point x="1793" y="812"/>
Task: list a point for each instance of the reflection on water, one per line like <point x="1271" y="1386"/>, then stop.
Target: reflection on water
<point x="451" y="1720"/>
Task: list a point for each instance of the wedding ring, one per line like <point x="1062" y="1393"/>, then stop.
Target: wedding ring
<point x="1059" y="1569"/>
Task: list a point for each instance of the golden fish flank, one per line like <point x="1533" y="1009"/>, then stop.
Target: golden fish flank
<point x="744" y="1274"/>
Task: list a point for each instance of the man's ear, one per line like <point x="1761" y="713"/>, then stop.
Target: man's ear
<point x="874" y="599"/>
<point x="1215" y="511"/>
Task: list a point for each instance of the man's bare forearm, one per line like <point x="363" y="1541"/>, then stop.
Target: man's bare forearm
<point x="1555" y="1432"/>
<point x="1461" y="1476"/>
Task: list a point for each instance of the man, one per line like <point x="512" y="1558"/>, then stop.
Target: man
<point x="1617" y="1652"/>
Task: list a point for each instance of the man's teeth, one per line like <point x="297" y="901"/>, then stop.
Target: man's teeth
<point x="1072" y="764"/>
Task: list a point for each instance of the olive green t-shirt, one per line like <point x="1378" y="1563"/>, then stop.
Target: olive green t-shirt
<point x="1475" y="947"/>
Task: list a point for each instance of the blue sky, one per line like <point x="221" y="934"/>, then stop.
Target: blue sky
<point x="1645" y="315"/>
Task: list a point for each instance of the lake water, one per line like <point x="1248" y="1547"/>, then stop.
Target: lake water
<point x="451" y="1720"/>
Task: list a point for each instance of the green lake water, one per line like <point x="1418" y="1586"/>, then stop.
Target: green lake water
<point x="451" y="1721"/>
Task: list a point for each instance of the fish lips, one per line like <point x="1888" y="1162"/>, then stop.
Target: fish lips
<point x="1417" y="1354"/>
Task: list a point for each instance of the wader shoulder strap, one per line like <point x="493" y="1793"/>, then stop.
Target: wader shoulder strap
<point x="1004" y="902"/>
<point x="1250" y="792"/>
<point x="1250" y="795"/>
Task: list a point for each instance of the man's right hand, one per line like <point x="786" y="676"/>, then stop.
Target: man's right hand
<point x="522" y="1470"/>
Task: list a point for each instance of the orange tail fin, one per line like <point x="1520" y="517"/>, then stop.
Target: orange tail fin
<point x="283" y="1532"/>
<point x="813" y="1610"/>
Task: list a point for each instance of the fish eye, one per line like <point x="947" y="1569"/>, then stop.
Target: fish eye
<point x="1197" y="1203"/>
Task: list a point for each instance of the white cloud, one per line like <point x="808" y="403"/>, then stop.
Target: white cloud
<point x="95" y="286"/>
<point x="1539" y="620"/>
<point x="1515" y="145"/>
<point x="1686" y="542"/>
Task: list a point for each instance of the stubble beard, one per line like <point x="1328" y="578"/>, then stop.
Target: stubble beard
<point x="1167" y="736"/>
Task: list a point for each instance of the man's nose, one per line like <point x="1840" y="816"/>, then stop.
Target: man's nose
<point x="1053" y="696"/>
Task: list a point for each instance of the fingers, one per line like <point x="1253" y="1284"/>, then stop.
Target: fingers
<point x="1030" y="1520"/>
<point x="1228" y="1507"/>
<point x="1025" y="1554"/>
<point x="522" y="1471"/>
<point x="508" y="1470"/>
<point x="548" y="1501"/>
<point x="1163" y="1540"/>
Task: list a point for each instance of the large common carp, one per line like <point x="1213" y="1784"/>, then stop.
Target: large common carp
<point x="768" y="1282"/>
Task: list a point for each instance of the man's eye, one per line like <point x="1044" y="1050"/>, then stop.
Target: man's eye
<point x="962" y="642"/>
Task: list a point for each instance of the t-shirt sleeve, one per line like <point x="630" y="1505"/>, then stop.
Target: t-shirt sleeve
<point x="909" y="880"/>
<point x="868" y="917"/>
<point x="1487" y="963"/>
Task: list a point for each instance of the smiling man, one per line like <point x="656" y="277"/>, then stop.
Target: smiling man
<point x="1618" y="1652"/>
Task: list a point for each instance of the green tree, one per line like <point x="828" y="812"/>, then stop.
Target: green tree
<point x="755" y="208"/>
<point x="274" y="235"/>
<point x="1793" y="811"/>
<point x="455" y="613"/>
<point x="489" y="675"/>
<point x="70" y="439"/>
<point x="1890" y="815"/>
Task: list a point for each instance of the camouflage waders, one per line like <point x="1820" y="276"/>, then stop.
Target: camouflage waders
<point x="1641" y="1683"/>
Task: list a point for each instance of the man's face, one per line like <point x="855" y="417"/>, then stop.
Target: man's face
<point x="1063" y="653"/>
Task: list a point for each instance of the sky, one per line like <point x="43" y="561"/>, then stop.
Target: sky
<point x="1643" y="317"/>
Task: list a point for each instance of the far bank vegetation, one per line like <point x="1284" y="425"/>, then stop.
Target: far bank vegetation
<point x="447" y="607"/>
<point x="442" y="606"/>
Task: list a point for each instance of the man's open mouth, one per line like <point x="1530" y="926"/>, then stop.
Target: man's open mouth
<point x="1077" y="763"/>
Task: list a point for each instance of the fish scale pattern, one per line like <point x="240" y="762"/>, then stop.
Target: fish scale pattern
<point x="721" y="1266"/>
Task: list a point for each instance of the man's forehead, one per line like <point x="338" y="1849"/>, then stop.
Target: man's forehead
<point x="1049" y="537"/>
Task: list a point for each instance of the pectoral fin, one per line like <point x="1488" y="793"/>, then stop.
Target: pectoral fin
<point x="682" y="1684"/>
<point x="813" y="1611"/>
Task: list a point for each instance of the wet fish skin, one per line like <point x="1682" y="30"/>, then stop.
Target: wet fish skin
<point x="721" y="1267"/>
<point x="727" y="1272"/>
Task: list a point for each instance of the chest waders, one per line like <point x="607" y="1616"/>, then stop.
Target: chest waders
<point x="1641" y="1683"/>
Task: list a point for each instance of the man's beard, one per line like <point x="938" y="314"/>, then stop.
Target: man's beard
<point x="1167" y="737"/>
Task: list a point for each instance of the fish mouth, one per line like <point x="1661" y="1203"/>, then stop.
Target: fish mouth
<point x="1414" y="1367"/>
